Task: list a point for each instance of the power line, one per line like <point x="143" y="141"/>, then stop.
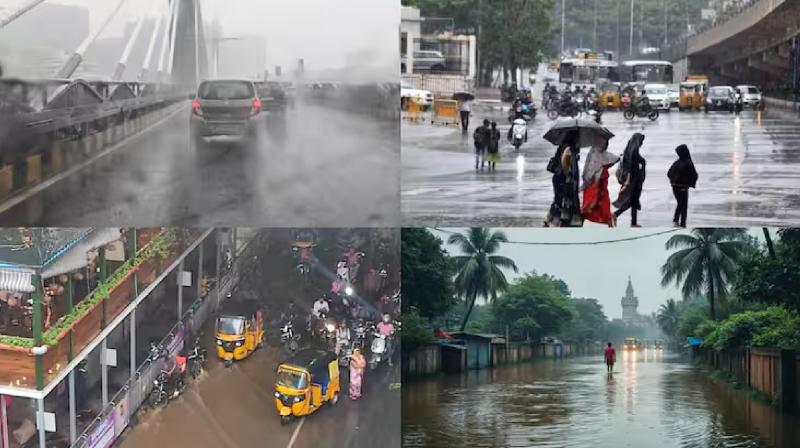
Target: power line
<point x="578" y="243"/>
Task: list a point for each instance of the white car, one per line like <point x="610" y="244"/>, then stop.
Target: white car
<point x="408" y="92"/>
<point x="658" y="94"/>
<point x="750" y="95"/>
<point x="674" y="95"/>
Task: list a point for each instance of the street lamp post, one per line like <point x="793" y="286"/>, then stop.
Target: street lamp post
<point x="563" y="12"/>
<point x="630" y="50"/>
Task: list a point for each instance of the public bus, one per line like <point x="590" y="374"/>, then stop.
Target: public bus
<point x="646" y="72"/>
<point x="586" y="68"/>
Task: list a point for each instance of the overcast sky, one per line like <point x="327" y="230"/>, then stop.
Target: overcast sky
<point x="323" y="32"/>
<point x="596" y="271"/>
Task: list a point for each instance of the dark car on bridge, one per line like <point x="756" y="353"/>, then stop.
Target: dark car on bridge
<point x="273" y="95"/>
<point x="225" y="107"/>
<point x="719" y="98"/>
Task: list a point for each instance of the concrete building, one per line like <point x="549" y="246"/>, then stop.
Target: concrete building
<point x="630" y="303"/>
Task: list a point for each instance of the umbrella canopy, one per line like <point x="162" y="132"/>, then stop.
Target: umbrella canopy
<point x="590" y="133"/>
<point x="463" y="96"/>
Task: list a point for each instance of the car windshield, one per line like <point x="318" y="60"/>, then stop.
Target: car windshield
<point x="226" y="90"/>
<point x="719" y="91"/>
<point x="291" y="379"/>
<point x="656" y="90"/>
<point x="230" y="325"/>
<point x="630" y="341"/>
<point x="752" y="90"/>
<point x="406" y="85"/>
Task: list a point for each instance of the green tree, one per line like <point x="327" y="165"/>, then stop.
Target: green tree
<point x="704" y="262"/>
<point x="668" y="318"/>
<point x="532" y="307"/>
<point x="427" y="273"/>
<point x="589" y="323"/>
<point x="479" y="272"/>
<point x="768" y="279"/>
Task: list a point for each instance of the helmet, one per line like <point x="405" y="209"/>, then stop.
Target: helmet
<point x="387" y="318"/>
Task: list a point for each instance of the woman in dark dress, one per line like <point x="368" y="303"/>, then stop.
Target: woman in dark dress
<point x="682" y="176"/>
<point x="631" y="175"/>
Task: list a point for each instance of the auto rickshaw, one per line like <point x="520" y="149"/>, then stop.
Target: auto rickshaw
<point x="693" y="93"/>
<point x="305" y="382"/>
<point x="608" y="96"/>
<point x="239" y="331"/>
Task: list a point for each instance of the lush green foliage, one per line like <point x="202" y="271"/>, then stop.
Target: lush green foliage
<point x="479" y="272"/>
<point x="769" y="280"/>
<point x="415" y="331"/>
<point x="427" y="274"/>
<point x="668" y="318"/>
<point x="533" y="307"/>
<point x="16" y="341"/>
<point x="774" y="326"/>
<point x="704" y="262"/>
<point x="589" y="323"/>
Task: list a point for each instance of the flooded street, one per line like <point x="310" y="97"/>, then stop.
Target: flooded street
<point x="651" y="400"/>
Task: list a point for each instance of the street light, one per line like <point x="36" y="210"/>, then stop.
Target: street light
<point x="563" y="9"/>
<point x="630" y="51"/>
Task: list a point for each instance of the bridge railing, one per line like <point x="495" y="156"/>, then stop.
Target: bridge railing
<point x="48" y="126"/>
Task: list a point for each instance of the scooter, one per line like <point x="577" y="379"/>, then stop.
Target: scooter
<point x="518" y="133"/>
<point x="289" y="340"/>
<point x="360" y="335"/>
<point x="378" y="350"/>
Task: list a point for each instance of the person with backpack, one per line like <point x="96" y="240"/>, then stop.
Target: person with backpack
<point x="480" y="137"/>
<point x="493" y="146"/>
<point x="682" y="176"/>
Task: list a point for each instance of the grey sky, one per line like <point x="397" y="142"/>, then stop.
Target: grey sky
<point x="596" y="271"/>
<point x="324" y="32"/>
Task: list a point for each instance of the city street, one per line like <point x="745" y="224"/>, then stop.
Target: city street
<point x="653" y="399"/>
<point x="749" y="171"/>
<point x="234" y="407"/>
<point x="309" y="167"/>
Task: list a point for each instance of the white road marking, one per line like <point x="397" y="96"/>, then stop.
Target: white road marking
<point x="36" y="189"/>
<point x="296" y="433"/>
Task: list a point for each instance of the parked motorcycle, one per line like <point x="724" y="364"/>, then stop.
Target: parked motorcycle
<point x="197" y="359"/>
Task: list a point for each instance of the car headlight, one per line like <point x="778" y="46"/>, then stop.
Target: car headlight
<point x="708" y="100"/>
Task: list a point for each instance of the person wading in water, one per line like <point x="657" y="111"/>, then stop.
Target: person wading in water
<point x="611" y="356"/>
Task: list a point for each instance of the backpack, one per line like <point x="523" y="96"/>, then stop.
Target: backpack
<point x="480" y="137"/>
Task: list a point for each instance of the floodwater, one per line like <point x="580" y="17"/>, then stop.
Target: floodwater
<point x="652" y="399"/>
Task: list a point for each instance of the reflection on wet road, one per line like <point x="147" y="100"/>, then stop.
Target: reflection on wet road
<point x="749" y="171"/>
<point x="310" y="166"/>
<point x="651" y="400"/>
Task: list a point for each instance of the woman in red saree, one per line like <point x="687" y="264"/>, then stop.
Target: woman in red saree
<point x="596" y="201"/>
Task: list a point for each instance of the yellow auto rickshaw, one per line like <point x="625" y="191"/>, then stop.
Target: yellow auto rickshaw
<point x="608" y="96"/>
<point x="693" y="93"/>
<point x="305" y="382"/>
<point x="240" y="331"/>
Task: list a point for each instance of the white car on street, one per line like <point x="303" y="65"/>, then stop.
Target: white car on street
<point x="658" y="94"/>
<point x="421" y="96"/>
<point x="750" y="95"/>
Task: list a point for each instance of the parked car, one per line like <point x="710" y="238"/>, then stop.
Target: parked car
<point x="426" y="60"/>
<point x="674" y="94"/>
<point x="224" y="107"/>
<point x="719" y="98"/>
<point x="421" y="96"/>
<point x="750" y="95"/>
<point x="658" y="95"/>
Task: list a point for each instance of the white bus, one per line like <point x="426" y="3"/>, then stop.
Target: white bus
<point x="646" y="72"/>
<point x="586" y="68"/>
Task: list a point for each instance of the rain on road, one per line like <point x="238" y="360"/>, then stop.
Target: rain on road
<point x="651" y="400"/>
<point x="749" y="171"/>
<point x="309" y="168"/>
<point x="235" y="407"/>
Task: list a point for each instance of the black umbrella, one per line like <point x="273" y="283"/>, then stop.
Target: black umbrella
<point x="589" y="132"/>
<point x="463" y="96"/>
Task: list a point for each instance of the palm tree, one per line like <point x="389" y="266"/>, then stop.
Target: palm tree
<point x="668" y="317"/>
<point x="478" y="271"/>
<point x="704" y="262"/>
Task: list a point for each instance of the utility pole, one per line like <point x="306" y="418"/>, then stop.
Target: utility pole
<point x="630" y="49"/>
<point x="594" y="36"/>
<point x="795" y="68"/>
<point x="563" y="15"/>
<point x="666" y="24"/>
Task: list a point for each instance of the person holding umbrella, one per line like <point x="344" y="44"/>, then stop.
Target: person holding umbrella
<point x="570" y="135"/>
<point x="631" y="175"/>
<point x="465" y="106"/>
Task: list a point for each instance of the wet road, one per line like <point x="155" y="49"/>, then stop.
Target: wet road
<point x="234" y="407"/>
<point x="651" y="400"/>
<point x="749" y="171"/>
<point x="310" y="166"/>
